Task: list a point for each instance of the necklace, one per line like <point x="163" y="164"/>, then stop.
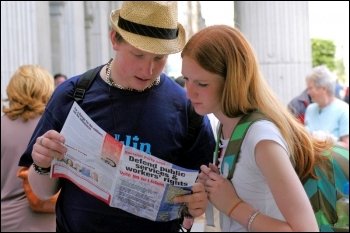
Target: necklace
<point x="110" y="81"/>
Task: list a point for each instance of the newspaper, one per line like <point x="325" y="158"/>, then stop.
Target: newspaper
<point x="121" y="176"/>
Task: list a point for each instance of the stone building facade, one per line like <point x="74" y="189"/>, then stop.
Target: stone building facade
<point x="71" y="37"/>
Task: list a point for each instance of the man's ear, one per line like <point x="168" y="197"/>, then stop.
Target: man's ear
<point x="115" y="43"/>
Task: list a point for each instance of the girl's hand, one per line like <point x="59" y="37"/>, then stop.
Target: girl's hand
<point x="196" y="202"/>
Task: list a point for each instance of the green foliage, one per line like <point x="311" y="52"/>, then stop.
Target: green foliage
<point x="340" y="70"/>
<point x="323" y="53"/>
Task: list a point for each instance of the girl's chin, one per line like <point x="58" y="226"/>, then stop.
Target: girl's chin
<point x="200" y="111"/>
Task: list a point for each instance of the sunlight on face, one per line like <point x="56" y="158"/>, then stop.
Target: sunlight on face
<point x="204" y="89"/>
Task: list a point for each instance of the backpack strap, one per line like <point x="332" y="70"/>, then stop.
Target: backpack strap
<point x="234" y="146"/>
<point x="340" y="160"/>
<point x="84" y="83"/>
<point x="327" y="189"/>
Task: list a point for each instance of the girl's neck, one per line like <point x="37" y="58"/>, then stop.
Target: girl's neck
<point x="228" y="124"/>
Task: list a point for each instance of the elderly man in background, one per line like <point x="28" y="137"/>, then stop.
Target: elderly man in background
<point x="327" y="115"/>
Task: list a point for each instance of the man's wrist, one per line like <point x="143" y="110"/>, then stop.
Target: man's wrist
<point x="41" y="170"/>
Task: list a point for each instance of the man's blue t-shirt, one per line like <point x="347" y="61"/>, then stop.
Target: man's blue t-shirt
<point x="155" y="121"/>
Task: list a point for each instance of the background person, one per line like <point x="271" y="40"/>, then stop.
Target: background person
<point x="297" y="106"/>
<point x="327" y="115"/>
<point x="223" y="77"/>
<point x="133" y="100"/>
<point x="346" y="95"/>
<point x="59" y="78"/>
<point x="339" y="90"/>
<point x="28" y="92"/>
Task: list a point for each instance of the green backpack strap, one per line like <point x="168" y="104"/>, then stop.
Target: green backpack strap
<point x="327" y="189"/>
<point x="339" y="172"/>
<point x="234" y="146"/>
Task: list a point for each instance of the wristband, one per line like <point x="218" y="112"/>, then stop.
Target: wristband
<point x="251" y="220"/>
<point x="41" y="170"/>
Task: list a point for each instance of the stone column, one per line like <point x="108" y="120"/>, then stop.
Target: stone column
<point x="24" y="37"/>
<point x="57" y="35"/>
<point x="69" y="45"/>
<point x="279" y="33"/>
<point x="97" y="33"/>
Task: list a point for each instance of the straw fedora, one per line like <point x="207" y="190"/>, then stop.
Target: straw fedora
<point x="150" y="26"/>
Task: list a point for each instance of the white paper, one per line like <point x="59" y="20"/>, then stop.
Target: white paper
<point x="122" y="177"/>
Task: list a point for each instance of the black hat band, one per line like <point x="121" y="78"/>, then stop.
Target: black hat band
<point x="150" y="31"/>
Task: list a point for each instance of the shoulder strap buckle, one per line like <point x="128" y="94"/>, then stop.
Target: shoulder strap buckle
<point x="79" y="94"/>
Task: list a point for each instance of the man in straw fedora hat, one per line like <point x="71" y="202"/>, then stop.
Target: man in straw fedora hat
<point x="133" y="100"/>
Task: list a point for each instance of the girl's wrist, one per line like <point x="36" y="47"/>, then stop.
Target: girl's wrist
<point x="234" y="206"/>
<point x="243" y="214"/>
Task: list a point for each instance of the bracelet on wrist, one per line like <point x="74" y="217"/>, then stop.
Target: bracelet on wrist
<point x="41" y="170"/>
<point x="251" y="220"/>
<point x="234" y="207"/>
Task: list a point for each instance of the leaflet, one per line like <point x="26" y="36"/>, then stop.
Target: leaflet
<point x="121" y="176"/>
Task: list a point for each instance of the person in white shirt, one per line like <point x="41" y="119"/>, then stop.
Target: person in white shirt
<point x="222" y="77"/>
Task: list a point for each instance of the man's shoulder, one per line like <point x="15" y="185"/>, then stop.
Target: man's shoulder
<point x="170" y="87"/>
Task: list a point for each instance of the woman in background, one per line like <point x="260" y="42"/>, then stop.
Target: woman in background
<point x="28" y="92"/>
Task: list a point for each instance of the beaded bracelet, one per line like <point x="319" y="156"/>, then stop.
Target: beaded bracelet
<point x="251" y="220"/>
<point x="234" y="207"/>
<point x="41" y="170"/>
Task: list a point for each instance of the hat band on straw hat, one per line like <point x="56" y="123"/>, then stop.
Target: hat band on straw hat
<point x="144" y="30"/>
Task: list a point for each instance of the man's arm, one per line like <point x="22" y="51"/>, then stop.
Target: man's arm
<point x="42" y="185"/>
